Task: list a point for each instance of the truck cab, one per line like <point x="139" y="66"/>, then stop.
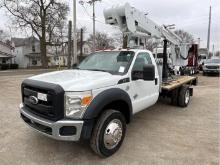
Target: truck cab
<point x="93" y="101"/>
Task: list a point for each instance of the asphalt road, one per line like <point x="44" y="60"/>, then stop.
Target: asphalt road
<point x="163" y="134"/>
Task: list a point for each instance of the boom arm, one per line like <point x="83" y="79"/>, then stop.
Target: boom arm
<point x="135" y="24"/>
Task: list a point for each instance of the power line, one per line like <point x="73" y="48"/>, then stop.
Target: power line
<point x="91" y="2"/>
<point x="85" y="11"/>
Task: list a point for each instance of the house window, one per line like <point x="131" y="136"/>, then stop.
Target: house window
<point x="64" y="61"/>
<point x="55" y="58"/>
<point x="34" y="62"/>
<point x="33" y="48"/>
<point x="86" y="51"/>
<point x="3" y="61"/>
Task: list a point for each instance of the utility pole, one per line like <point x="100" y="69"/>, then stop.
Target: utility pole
<point x="165" y="66"/>
<point x="69" y="45"/>
<point x="93" y="18"/>
<point x="92" y="2"/>
<point x="213" y="50"/>
<point x="199" y="40"/>
<point x="81" y="42"/>
<point x="209" y="27"/>
<point x="125" y="41"/>
<point x="74" y="34"/>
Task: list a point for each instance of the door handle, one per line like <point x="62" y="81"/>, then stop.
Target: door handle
<point x="156" y="81"/>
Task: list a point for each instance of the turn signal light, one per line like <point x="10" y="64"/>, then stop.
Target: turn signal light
<point x="86" y="100"/>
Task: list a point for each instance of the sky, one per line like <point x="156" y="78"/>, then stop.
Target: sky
<point x="189" y="15"/>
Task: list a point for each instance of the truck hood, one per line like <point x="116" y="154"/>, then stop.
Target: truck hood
<point x="79" y="80"/>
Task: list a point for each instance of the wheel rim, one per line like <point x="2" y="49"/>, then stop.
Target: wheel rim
<point x="187" y="97"/>
<point x="113" y="134"/>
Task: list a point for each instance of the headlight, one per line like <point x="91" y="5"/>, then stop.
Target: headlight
<point x="76" y="103"/>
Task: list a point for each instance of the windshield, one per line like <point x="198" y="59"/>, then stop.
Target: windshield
<point x="215" y="61"/>
<point x="114" y="62"/>
<point x="202" y="57"/>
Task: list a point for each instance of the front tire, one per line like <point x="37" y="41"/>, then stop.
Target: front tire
<point x="108" y="133"/>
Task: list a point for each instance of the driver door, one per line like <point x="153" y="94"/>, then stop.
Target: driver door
<point x="144" y="93"/>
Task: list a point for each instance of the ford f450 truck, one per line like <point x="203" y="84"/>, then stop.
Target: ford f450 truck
<point x="98" y="98"/>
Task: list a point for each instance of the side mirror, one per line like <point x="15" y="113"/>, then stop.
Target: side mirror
<point x="149" y="72"/>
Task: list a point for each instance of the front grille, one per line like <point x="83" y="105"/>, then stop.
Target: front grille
<point x="212" y="67"/>
<point x="51" y="109"/>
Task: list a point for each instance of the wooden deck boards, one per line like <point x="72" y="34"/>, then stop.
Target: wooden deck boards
<point x="178" y="81"/>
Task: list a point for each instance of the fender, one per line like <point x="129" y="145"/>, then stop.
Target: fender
<point x="104" y="98"/>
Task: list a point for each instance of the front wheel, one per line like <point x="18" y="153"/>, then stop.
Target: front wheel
<point x="109" y="133"/>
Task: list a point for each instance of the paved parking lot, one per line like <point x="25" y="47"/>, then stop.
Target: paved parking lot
<point x="163" y="134"/>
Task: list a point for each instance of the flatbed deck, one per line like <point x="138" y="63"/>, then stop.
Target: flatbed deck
<point x="178" y="81"/>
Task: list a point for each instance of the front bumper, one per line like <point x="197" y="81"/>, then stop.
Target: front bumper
<point x="211" y="70"/>
<point x="52" y="129"/>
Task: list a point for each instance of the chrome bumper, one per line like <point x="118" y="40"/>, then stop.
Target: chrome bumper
<point x="54" y="127"/>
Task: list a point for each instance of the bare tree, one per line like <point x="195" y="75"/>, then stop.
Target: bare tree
<point x="102" y="40"/>
<point x="118" y="39"/>
<point x="44" y="17"/>
<point x="1" y="4"/>
<point x="217" y="54"/>
<point x="151" y="44"/>
<point x="185" y="36"/>
<point x="3" y="35"/>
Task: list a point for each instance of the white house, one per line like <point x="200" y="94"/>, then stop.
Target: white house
<point x="62" y="57"/>
<point x="86" y="48"/>
<point x="27" y="52"/>
<point x="6" y="53"/>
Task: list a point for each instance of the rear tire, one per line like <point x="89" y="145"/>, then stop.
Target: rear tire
<point x="109" y="133"/>
<point x="174" y="97"/>
<point x="184" y="96"/>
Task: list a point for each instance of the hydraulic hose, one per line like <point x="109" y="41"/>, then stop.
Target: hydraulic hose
<point x="177" y="51"/>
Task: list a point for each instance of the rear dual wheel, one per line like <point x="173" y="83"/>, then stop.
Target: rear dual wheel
<point x="181" y="96"/>
<point x="184" y="96"/>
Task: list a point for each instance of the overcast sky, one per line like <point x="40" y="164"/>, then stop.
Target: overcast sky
<point x="189" y="15"/>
